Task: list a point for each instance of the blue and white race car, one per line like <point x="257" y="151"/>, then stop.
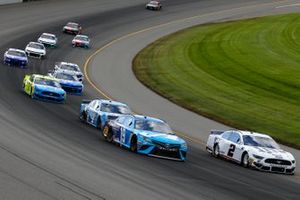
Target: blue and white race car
<point x="99" y="111"/>
<point x="15" y="57"/>
<point x="68" y="82"/>
<point x="70" y="68"/>
<point x="146" y="135"/>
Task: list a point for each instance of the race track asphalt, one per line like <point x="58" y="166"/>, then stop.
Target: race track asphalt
<point x="46" y="153"/>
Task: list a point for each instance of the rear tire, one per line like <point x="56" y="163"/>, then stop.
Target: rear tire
<point x="133" y="144"/>
<point x="107" y="134"/>
<point x="216" y="151"/>
<point x="83" y="117"/>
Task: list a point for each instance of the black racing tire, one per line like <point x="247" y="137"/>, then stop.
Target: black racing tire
<point x="245" y="160"/>
<point x="83" y="117"/>
<point x="133" y="144"/>
<point x="216" y="150"/>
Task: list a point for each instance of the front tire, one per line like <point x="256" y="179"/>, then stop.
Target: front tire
<point x="245" y="160"/>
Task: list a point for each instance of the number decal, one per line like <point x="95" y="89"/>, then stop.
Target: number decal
<point x="231" y="150"/>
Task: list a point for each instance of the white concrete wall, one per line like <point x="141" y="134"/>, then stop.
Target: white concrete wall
<point x="10" y="1"/>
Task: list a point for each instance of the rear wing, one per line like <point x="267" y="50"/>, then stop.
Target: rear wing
<point x="216" y="132"/>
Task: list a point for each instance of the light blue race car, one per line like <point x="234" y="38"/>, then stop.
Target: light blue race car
<point x="99" y="111"/>
<point x="146" y="135"/>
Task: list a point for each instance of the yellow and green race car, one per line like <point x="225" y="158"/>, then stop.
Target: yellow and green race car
<point x="43" y="88"/>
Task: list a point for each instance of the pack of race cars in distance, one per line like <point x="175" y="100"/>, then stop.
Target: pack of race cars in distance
<point x="251" y="149"/>
<point x="141" y="134"/>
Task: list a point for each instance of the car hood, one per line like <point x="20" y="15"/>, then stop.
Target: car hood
<point x="70" y="28"/>
<point x="80" y="41"/>
<point x="162" y="137"/>
<point x="35" y="50"/>
<point x="16" y="57"/>
<point x="68" y="82"/>
<point x="46" y="40"/>
<point x="49" y="88"/>
<point x="271" y="153"/>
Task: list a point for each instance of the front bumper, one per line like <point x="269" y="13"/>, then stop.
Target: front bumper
<point x="11" y="61"/>
<point x="35" y="54"/>
<point x="49" y="96"/>
<point x="172" y="152"/>
<point x="270" y="167"/>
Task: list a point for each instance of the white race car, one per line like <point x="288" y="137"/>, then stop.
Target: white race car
<point x="81" y="41"/>
<point x="35" y="49"/>
<point x="154" y="5"/>
<point x="69" y="68"/>
<point x="251" y="149"/>
<point x="48" y="39"/>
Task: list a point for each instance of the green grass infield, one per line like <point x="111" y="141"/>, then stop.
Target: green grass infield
<point x="245" y="74"/>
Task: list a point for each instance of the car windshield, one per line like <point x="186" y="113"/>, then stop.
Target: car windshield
<point x="16" y="53"/>
<point x="36" y="45"/>
<point x="81" y="38"/>
<point x="50" y="37"/>
<point x="64" y="76"/>
<point x="69" y="67"/>
<point x="72" y="25"/>
<point x="154" y="2"/>
<point x="112" y="108"/>
<point x="258" y="141"/>
<point x="45" y="81"/>
<point x="150" y="125"/>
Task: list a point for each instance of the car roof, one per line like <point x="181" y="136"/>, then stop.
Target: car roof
<point x="67" y="63"/>
<point x="38" y="43"/>
<point x="18" y="50"/>
<point x="148" y="118"/>
<point x="48" y="34"/>
<point x="73" y="23"/>
<point x="82" y="36"/>
<point x="112" y="102"/>
<point x="252" y="133"/>
<point x="43" y="76"/>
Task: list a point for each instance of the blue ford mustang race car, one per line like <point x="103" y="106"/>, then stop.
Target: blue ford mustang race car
<point x="145" y="135"/>
<point x="15" y="57"/>
<point x="68" y="82"/>
<point x="99" y="111"/>
<point x="44" y="88"/>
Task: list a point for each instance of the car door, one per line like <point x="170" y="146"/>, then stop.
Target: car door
<point x="224" y="143"/>
<point x="234" y="147"/>
<point x="116" y="128"/>
<point x="126" y="131"/>
<point x="90" y="111"/>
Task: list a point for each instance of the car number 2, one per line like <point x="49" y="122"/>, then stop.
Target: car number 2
<point x="231" y="150"/>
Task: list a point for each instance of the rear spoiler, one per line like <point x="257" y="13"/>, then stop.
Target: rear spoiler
<point x="85" y="101"/>
<point x="216" y="132"/>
